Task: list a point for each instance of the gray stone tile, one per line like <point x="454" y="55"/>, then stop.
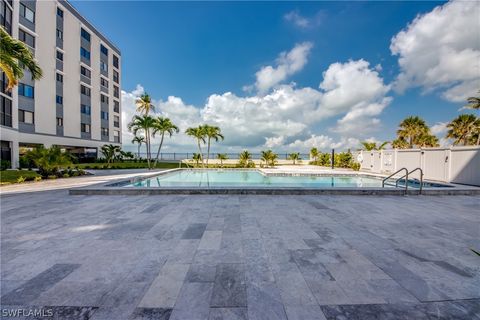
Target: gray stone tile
<point x="151" y="314"/>
<point x="201" y="273"/>
<point x="211" y="240"/>
<point x="328" y="292"/>
<point x="33" y="288"/>
<point x="228" y="314"/>
<point x="264" y="302"/>
<point x="193" y="301"/>
<point x="229" y="289"/>
<point x="194" y="231"/>
<point x="304" y="313"/>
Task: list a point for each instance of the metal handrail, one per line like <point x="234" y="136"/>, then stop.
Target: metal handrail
<point x="406" y="175"/>
<point x="410" y="173"/>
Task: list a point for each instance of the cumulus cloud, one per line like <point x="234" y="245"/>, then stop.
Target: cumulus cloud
<point x="297" y="19"/>
<point x="439" y="128"/>
<point x="440" y="50"/>
<point x="286" y="117"/>
<point x="287" y="64"/>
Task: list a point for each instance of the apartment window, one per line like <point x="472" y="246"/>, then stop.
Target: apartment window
<point x="116" y="136"/>
<point x="116" y="92"/>
<point x="27" y="13"/>
<point x="104" y="131"/>
<point x="116" y="77"/>
<point x="85" y="127"/>
<point x="85" y="53"/>
<point x="6" y="17"/>
<point x="103" y="82"/>
<point x="85" y="109"/>
<point x="103" y="50"/>
<point x="103" y="66"/>
<point x="59" y="34"/>
<point x="116" y="121"/>
<point x="59" y="55"/>
<point x="85" y="90"/>
<point x="59" y="77"/>
<point x="85" y="72"/>
<point x="26" y="90"/>
<point x="104" y="115"/>
<point x="59" y="122"/>
<point x="85" y="35"/>
<point x="26" y="38"/>
<point x="25" y="116"/>
<point x="59" y="99"/>
<point x="116" y="106"/>
<point x="60" y="13"/>
<point x="115" y="61"/>
<point x="104" y="98"/>
<point x="5" y="111"/>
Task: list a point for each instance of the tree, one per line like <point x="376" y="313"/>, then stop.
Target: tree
<point x="400" y="143"/>
<point x="244" y="159"/>
<point x="269" y="157"/>
<point x="144" y="104"/>
<point x="110" y="152"/>
<point x="314" y="153"/>
<point x="162" y="126"/>
<point x="427" y="140"/>
<point x="125" y="155"/>
<point x="140" y="140"/>
<point x="411" y="129"/>
<point x="143" y="124"/>
<point x="15" y="57"/>
<point x="463" y="129"/>
<point x="199" y="134"/>
<point x="222" y="157"/>
<point x="473" y="102"/>
<point x="212" y="132"/>
<point x="48" y="160"/>
<point x="369" y="146"/>
<point x="197" y="157"/>
<point x="294" y="157"/>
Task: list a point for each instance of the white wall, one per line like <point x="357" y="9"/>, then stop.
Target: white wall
<point x="456" y="164"/>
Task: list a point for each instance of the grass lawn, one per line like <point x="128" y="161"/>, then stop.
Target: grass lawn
<point x="12" y="176"/>
<point x="126" y="165"/>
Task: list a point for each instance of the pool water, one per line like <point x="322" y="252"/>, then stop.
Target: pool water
<point x="253" y="179"/>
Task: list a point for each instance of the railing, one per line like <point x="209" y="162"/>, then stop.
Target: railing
<point x="406" y="175"/>
<point x="231" y="156"/>
<point x="409" y="174"/>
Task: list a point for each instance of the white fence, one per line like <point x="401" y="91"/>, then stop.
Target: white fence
<point x="456" y="164"/>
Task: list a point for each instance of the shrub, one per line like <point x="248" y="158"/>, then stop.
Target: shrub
<point x="5" y="164"/>
<point x="343" y="159"/>
<point x="355" y="166"/>
<point x="48" y="160"/>
<point x="36" y="179"/>
<point x="65" y="175"/>
<point x="21" y="179"/>
<point x="52" y="177"/>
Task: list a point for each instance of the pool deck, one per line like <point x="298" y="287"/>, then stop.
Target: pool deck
<point x="240" y="256"/>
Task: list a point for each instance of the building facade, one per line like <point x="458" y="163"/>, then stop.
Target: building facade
<point x="77" y="104"/>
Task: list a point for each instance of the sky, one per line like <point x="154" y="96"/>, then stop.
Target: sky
<point x="289" y="76"/>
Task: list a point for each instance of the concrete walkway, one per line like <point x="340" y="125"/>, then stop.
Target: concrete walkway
<point x="240" y="257"/>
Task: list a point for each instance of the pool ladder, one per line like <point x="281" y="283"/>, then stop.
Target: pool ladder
<point x="407" y="173"/>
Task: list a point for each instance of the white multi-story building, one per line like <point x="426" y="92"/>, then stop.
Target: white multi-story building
<point x="76" y="105"/>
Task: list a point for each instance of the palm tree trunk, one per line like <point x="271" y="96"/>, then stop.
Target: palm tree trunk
<point x="148" y="147"/>
<point x="200" y="152"/>
<point x="159" y="148"/>
<point x="138" y="151"/>
<point x="208" y="151"/>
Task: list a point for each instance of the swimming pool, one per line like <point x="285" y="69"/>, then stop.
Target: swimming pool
<point x="253" y="179"/>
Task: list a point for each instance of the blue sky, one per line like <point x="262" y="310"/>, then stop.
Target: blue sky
<point x="190" y="51"/>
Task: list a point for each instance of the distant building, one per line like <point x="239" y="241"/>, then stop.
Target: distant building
<point x="77" y="104"/>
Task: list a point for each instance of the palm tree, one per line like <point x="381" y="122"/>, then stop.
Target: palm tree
<point x="369" y="146"/>
<point x="110" y="152"/>
<point x="144" y="104"/>
<point x="197" y="157"/>
<point x="211" y="132"/>
<point x="144" y="124"/>
<point x="15" y="56"/>
<point x="400" y="143"/>
<point x="473" y="102"/>
<point x="244" y="158"/>
<point x="162" y="126"/>
<point x="222" y="157"/>
<point x="269" y="157"/>
<point x="463" y="128"/>
<point x="314" y="154"/>
<point x="48" y="160"/>
<point x="199" y="134"/>
<point x="411" y="129"/>
<point x="294" y="156"/>
<point x="427" y="140"/>
<point x="140" y="140"/>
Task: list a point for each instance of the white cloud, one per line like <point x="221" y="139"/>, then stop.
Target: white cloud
<point x="295" y="17"/>
<point x="441" y="50"/>
<point x="439" y="128"/>
<point x="285" y="118"/>
<point x="288" y="63"/>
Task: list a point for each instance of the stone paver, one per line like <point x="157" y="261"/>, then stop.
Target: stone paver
<point x="241" y="256"/>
